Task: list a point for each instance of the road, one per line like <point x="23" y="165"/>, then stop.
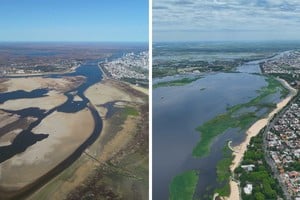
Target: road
<point x="268" y="159"/>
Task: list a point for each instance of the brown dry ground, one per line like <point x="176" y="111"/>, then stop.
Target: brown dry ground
<point x="66" y="130"/>
<point x="53" y="99"/>
<point x="32" y="83"/>
<point x="3" y="87"/>
<point x="116" y="165"/>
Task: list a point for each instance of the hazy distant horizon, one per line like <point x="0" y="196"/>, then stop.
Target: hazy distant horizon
<point x="226" y="41"/>
<point x="233" y="20"/>
<point x="66" y="41"/>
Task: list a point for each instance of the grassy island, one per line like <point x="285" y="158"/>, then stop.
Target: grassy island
<point x="232" y="119"/>
<point x="183" y="186"/>
<point x="179" y="82"/>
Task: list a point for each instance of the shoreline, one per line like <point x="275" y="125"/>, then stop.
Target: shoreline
<point x="109" y="144"/>
<point x="240" y="150"/>
<point x="105" y="76"/>
<point x="16" y="75"/>
<point x="22" y="191"/>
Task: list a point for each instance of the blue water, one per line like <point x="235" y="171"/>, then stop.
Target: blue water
<point x="177" y="111"/>
<point x="93" y="74"/>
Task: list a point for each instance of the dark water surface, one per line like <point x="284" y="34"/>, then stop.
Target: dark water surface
<point x="177" y="111"/>
<point x="93" y="74"/>
<point x="26" y="138"/>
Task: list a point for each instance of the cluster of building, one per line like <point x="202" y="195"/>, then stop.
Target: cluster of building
<point x="287" y="63"/>
<point x="283" y="145"/>
<point x="37" y="66"/>
<point x="131" y="65"/>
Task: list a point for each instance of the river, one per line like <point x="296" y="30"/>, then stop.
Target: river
<point x="178" y="110"/>
<point x="26" y="138"/>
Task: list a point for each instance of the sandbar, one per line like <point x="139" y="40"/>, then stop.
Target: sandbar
<point x="30" y="83"/>
<point x="66" y="132"/>
<point x="7" y="118"/>
<point x="116" y="136"/>
<point x="53" y="99"/>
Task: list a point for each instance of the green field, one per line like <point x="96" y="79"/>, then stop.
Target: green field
<point x="180" y="82"/>
<point x="231" y="119"/>
<point x="183" y="186"/>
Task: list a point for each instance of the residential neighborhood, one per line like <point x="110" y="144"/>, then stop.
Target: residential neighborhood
<point x="131" y="65"/>
<point x="285" y="63"/>
<point x="283" y="146"/>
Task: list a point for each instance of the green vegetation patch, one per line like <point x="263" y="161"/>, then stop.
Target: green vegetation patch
<point x="223" y="172"/>
<point x="180" y="82"/>
<point x="265" y="185"/>
<point x="183" y="186"/>
<point x="127" y="111"/>
<point x="216" y="126"/>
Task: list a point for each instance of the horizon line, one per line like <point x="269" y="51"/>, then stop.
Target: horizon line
<point x="259" y="40"/>
<point x="57" y="41"/>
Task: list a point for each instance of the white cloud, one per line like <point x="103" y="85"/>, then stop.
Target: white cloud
<point x="198" y="16"/>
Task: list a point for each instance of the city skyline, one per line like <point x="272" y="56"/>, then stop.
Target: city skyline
<point x="74" y="21"/>
<point x="219" y="20"/>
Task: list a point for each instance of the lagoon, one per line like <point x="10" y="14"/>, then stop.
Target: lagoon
<point x="179" y="110"/>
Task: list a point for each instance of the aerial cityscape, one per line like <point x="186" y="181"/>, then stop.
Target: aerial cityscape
<point x="80" y="80"/>
<point x="225" y="100"/>
<point x="212" y="166"/>
<point x="74" y="103"/>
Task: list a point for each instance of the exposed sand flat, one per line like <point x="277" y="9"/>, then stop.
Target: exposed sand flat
<point x="77" y="98"/>
<point x="32" y="83"/>
<point x="46" y="103"/>
<point x="66" y="132"/>
<point x="3" y="85"/>
<point x="119" y="141"/>
<point x="106" y="91"/>
<point x="7" y="118"/>
<point x="111" y="141"/>
<point x="253" y="131"/>
<point x="141" y="89"/>
<point x="9" y="137"/>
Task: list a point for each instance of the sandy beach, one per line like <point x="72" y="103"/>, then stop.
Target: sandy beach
<point x="251" y="132"/>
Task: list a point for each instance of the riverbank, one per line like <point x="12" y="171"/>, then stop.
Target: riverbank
<point x="105" y="74"/>
<point x="251" y="132"/>
<point x="118" y="158"/>
<point x="235" y="117"/>
<point x="70" y="70"/>
<point x="66" y="132"/>
<point x="31" y="83"/>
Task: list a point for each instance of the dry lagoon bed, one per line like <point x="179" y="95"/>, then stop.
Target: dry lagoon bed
<point x="121" y="150"/>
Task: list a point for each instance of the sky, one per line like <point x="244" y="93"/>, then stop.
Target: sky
<point x="226" y="20"/>
<point x="74" y="20"/>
